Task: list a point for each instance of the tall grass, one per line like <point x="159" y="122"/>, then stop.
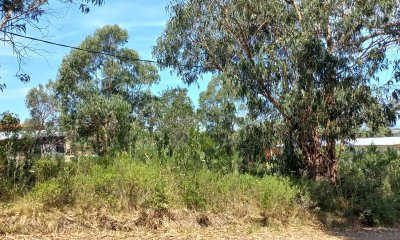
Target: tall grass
<point x="368" y="190"/>
<point x="120" y="183"/>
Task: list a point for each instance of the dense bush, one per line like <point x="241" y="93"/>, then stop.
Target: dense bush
<point x="51" y="193"/>
<point x="120" y="183"/>
<point x="368" y="189"/>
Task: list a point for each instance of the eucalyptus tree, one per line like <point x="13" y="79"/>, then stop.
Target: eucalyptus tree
<point x="314" y="62"/>
<point x="99" y="93"/>
<point x="43" y="107"/>
<point x="44" y="116"/>
<point x="175" y="122"/>
<point x="218" y="113"/>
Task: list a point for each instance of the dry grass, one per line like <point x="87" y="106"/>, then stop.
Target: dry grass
<point x="243" y="231"/>
<point x="32" y="222"/>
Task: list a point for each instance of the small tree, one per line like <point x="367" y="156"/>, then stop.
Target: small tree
<point x="44" y="113"/>
<point x="9" y="128"/>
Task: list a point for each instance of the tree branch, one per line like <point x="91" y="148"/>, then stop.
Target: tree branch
<point x="296" y="8"/>
<point x="244" y="43"/>
<point x="8" y="17"/>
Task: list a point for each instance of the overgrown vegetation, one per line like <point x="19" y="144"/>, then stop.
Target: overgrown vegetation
<point x="263" y="141"/>
<point x="367" y="191"/>
<point x="368" y="188"/>
<point x="119" y="183"/>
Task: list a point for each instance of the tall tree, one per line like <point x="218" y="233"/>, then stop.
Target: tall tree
<point x="97" y="89"/>
<point x="42" y="106"/>
<point x="314" y="62"/>
<point x="176" y="120"/>
<point x="104" y="122"/>
<point x="218" y="109"/>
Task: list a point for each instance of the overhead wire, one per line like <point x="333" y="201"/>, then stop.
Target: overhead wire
<point x="89" y="50"/>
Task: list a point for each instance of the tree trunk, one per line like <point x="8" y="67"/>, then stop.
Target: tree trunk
<point x="320" y="163"/>
<point x="314" y="162"/>
<point x="332" y="161"/>
<point x="312" y="152"/>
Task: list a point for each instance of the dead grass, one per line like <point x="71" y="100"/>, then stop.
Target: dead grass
<point x="166" y="224"/>
<point x="244" y="231"/>
<point x="29" y="218"/>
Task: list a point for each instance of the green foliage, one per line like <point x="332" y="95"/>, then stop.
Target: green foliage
<point x="100" y="94"/>
<point x="367" y="190"/>
<point x="51" y="194"/>
<point x="370" y="180"/>
<point x="218" y="110"/>
<point x="253" y="152"/>
<point x="192" y="192"/>
<point x="207" y="190"/>
<point x="43" y="107"/>
<point x="315" y="77"/>
<point x="160" y="199"/>
<point x="104" y="123"/>
<point x="175" y="122"/>
<point x="47" y="168"/>
<point x="120" y="183"/>
<point x="278" y="198"/>
<point x="368" y="187"/>
<point x="383" y="131"/>
<point x="15" y="151"/>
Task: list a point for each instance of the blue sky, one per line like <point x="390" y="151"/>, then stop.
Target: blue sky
<point x="144" y="20"/>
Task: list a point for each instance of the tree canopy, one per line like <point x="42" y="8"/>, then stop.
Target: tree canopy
<point x="98" y="91"/>
<point x="315" y="63"/>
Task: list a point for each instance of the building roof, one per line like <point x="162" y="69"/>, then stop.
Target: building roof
<point x="378" y="141"/>
<point x="3" y="135"/>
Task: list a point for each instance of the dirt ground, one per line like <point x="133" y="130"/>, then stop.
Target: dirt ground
<point x="227" y="232"/>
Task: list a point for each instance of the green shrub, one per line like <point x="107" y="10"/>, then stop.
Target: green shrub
<point x="160" y="197"/>
<point x="51" y="193"/>
<point x="192" y="195"/>
<point x="277" y="194"/>
<point x="46" y="168"/>
<point x="368" y="189"/>
<point x="119" y="183"/>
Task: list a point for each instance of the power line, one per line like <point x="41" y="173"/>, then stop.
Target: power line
<point x="87" y="50"/>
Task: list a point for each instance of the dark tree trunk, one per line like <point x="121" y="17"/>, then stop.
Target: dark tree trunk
<point x="332" y="161"/>
<point x="319" y="163"/>
<point x="314" y="162"/>
<point x="312" y="152"/>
